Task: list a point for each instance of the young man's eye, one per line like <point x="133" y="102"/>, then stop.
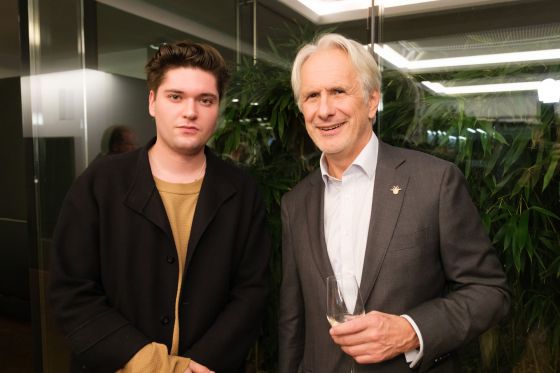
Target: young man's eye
<point x="207" y="101"/>
<point x="174" y="97"/>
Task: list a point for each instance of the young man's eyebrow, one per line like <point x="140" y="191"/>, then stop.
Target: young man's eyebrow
<point x="179" y="91"/>
<point x="173" y="91"/>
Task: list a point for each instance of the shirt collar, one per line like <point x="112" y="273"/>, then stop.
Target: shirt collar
<point x="365" y="161"/>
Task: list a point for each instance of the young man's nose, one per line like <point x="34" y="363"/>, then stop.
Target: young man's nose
<point x="189" y="109"/>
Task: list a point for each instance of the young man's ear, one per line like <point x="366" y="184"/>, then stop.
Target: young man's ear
<point x="151" y="103"/>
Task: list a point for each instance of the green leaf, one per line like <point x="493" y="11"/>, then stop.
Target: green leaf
<point x="545" y="212"/>
<point x="518" y="146"/>
<point x="549" y="173"/>
<point x="274" y="118"/>
<point x="491" y="163"/>
<point x="281" y="125"/>
<point x="498" y="136"/>
<point x="523" y="230"/>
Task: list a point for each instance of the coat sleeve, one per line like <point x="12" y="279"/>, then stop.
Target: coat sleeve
<point x="291" y="328"/>
<point x="236" y="327"/>
<point x="98" y="335"/>
<point x="478" y="295"/>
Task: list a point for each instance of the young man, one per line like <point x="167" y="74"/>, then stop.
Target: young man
<point x="401" y="221"/>
<point x="161" y="254"/>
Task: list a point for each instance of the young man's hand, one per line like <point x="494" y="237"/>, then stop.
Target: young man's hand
<point x="195" y="367"/>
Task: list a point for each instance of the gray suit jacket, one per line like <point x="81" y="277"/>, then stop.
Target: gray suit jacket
<point x="427" y="256"/>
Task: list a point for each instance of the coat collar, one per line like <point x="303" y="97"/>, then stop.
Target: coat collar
<point x="143" y="196"/>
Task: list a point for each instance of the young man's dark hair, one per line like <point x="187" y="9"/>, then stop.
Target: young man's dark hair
<point x="186" y="54"/>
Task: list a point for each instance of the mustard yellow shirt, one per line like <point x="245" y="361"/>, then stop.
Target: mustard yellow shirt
<point x="179" y="201"/>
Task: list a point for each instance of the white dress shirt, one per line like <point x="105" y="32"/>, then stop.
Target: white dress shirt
<point x="347" y="210"/>
<point x="347" y="214"/>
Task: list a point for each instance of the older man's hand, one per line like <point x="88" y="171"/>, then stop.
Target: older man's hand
<point x="375" y="337"/>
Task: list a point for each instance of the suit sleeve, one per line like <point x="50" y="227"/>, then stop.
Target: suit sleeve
<point x="291" y="328"/>
<point x="236" y="328"/>
<point x="98" y="334"/>
<point x="478" y="295"/>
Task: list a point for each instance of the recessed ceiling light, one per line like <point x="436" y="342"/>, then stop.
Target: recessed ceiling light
<point x="325" y="7"/>
<point x="333" y="11"/>
<point x="399" y="61"/>
<point x="548" y="89"/>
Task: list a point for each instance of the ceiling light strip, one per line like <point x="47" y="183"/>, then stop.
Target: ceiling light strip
<point x="396" y="59"/>
<point x="548" y="89"/>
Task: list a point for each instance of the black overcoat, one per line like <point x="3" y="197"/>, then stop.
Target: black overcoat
<point x="114" y="268"/>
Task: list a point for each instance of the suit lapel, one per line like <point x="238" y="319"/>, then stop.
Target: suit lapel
<point x="386" y="207"/>
<point x="314" y="205"/>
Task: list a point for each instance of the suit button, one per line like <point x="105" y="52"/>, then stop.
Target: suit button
<point x="170" y="259"/>
<point x="164" y="320"/>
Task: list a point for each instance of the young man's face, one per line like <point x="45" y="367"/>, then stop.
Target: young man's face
<point x="185" y="109"/>
<point x="337" y="117"/>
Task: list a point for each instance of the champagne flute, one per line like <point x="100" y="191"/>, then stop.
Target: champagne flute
<point x="344" y="301"/>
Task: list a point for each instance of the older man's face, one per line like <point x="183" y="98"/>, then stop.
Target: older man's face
<point x="337" y="116"/>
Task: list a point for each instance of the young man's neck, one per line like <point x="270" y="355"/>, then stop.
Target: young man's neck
<point x="174" y="167"/>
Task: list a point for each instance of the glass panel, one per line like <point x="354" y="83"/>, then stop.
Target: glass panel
<point x="478" y="83"/>
<point x="16" y="343"/>
<point x="54" y="122"/>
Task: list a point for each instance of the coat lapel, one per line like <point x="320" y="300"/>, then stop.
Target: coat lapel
<point x="386" y="207"/>
<point x="314" y="206"/>
<point x="143" y="196"/>
<point x="215" y="190"/>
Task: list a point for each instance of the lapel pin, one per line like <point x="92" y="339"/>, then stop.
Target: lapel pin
<point x="396" y="189"/>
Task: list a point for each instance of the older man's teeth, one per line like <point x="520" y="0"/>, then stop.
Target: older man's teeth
<point x="331" y="128"/>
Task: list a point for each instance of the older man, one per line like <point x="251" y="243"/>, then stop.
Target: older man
<point x="401" y="221"/>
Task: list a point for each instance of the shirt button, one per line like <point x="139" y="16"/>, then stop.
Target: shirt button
<point x="170" y="259"/>
<point x="164" y="320"/>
